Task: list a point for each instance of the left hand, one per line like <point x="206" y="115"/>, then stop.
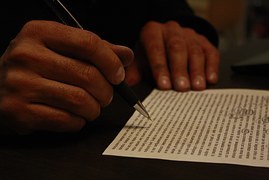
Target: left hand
<point x="179" y="58"/>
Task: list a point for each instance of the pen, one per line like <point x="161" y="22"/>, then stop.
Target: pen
<point x="123" y="89"/>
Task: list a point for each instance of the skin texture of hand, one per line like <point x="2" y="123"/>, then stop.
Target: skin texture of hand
<point x="55" y="77"/>
<point x="178" y="58"/>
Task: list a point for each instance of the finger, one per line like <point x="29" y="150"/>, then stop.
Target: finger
<point x="125" y="54"/>
<point x="25" y="118"/>
<point x="132" y="74"/>
<point x="212" y="59"/>
<point x="178" y="56"/>
<point x="66" y="70"/>
<point x="66" y="97"/>
<point x="152" y="40"/>
<point x="79" y="44"/>
<point x="55" y="94"/>
<point x="197" y="65"/>
<point x="51" y="119"/>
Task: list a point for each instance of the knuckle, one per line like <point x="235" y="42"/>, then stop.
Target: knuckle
<point x="176" y="44"/>
<point x="78" y="98"/>
<point x="35" y="27"/>
<point x="17" y="82"/>
<point x="157" y="49"/>
<point x="20" y="54"/>
<point x="196" y="50"/>
<point x="90" y="41"/>
<point x="31" y="28"/>
<point x="89" y="74"/>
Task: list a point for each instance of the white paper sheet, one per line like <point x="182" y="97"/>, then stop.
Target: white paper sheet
<point x="217" y="126"/>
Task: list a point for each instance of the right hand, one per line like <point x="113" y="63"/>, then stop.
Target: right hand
<point x="54" y="77"/>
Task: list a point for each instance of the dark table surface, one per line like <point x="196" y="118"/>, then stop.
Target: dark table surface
<point x="78" y="156"/>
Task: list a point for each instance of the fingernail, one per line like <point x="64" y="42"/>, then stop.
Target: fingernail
<point x="110" y="100"/>
<point x="199" y="83"/>
<point x="213" y="77"/>
<point x="120" y="75"/>
<point x="182" y="84"/>
<point x="164" y="82"/>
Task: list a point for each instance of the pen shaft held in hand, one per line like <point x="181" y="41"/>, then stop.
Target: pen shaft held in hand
<point x="125" y="91"/>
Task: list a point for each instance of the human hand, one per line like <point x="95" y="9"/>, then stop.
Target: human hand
<point x="178" y="58"/>
<point x="55" y="77"/>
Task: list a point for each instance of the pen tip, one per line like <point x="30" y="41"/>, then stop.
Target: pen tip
<point x="139" y="106"/>
<point x="148" y="116"/>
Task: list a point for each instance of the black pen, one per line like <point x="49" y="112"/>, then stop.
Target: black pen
<point x="123" y="89"/>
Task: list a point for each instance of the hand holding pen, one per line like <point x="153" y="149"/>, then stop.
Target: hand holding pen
<point x="54" y="77"/>
<point x="126" y="92"/>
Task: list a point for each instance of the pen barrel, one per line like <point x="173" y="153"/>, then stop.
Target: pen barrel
<point x="126" y="93"/>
